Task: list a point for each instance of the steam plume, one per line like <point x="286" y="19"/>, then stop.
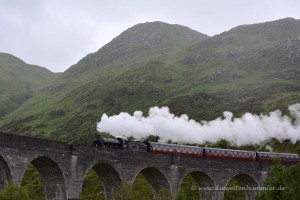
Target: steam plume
<point x="249" y="129"/>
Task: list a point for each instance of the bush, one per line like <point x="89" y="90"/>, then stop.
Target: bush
<point x="286" y="182"/>
<point x="12" y="191"/>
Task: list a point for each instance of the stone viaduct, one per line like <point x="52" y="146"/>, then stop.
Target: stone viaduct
<point x="63" y="167"/>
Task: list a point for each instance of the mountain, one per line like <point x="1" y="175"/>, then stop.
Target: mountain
<point x="139" y="44"/>
<point x="250" y="68"/>
<point x="108" y="80"/>
<point x="19" y="82"/>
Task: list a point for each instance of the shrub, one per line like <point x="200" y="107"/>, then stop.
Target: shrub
<point x="14" y="191"/>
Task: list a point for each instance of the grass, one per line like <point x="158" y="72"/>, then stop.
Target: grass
<point x="19" y="82"/>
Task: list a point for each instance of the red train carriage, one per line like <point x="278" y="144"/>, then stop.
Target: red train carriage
<point x="289" y="158"/>
<point x="154" y="147"/>
<point x="267" y="156"/>
<point x="230" y="154"/>
<point x="284" y="157"/>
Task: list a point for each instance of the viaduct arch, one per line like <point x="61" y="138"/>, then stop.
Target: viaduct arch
<point x="204" y="184"/>
<point x="156" y="178"/>
<point x="5" y="175"/>
<point x="51" y="175"/>
<point x="246" y="181"/>
<point x="108" y="175"/>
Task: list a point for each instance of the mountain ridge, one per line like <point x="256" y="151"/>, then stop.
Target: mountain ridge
<point x="138" y="39"/>
<point x="231" y="71"/>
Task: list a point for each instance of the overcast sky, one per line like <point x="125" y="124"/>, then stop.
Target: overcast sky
<point x="57" y="33"/>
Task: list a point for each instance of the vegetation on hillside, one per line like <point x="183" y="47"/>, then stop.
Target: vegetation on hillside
<point x="19" y="82"/>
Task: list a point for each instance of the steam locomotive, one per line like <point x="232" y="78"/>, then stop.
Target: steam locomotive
<point x="184" y="150"/>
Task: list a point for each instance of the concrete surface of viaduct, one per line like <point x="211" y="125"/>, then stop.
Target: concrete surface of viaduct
<point x="63" y="168"/>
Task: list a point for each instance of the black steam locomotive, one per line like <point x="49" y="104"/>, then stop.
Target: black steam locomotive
<point x="120" y="142"/>
<point x="184" y="150"/>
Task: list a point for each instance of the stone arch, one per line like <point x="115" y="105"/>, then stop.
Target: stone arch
<point x="204" y="182"/>
<point x="52" y="176"/>
<point x="156" y="179"/>
<point x="248" y="182"/>
<point x="109" y="176"/>
<point x="5" y="175"/>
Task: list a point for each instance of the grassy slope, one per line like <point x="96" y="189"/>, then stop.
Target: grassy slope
<point x="249" y="68"/>
<point x="19" y="82"/>
<point x="252" y="68"/>
<point x="69" y="109"/>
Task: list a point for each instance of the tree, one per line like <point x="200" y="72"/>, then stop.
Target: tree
<point x="152" y="138"/>
<point x="163" y="194"/>
<point x="32" y="182"/>
<point x="141" y="187"/>
<point x="92" y="187"/>
<point x="125" y="192"/>
<point x="284" y="183"/>
<point x="188" y="189"/>
<point x="292" y="180"/>
<point x="12" y="191"/>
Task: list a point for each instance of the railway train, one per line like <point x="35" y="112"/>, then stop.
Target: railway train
<point x="194" y="151"/>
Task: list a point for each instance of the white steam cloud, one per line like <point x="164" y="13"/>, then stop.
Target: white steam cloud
<point x="249" y="129"/>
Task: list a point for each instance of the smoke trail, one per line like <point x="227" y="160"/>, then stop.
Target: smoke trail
<point x="249" y="129"/>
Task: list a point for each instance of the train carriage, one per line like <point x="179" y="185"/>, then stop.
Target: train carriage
<point x="267" y="156"/>
<point x="289" y="158"/>
<point x="230" y="154"/>
<point x="154" y="147"/>
<point x="283" y="157"/>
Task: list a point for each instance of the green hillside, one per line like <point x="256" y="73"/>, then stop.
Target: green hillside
<point x="68" y="110"/>
<point x="251" y="68"/>
<point x="19" y="82"/>
<point x="137" y="45"/>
